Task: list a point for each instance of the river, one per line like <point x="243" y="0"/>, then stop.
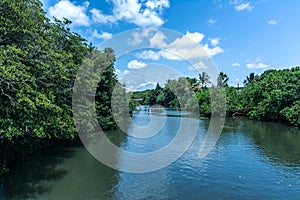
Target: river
<point x="251" y="160"/>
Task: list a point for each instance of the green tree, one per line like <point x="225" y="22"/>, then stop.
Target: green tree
<point x="194" y="83"/>
<point x="204" y="79"/>
<point x="108" y="81"/>
<point x="39" y="61"/>
<point x="222" y="80"/>
<point x="273" y="95"/>
<point x="249" y="79"/>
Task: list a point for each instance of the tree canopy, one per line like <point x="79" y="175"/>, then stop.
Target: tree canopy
<point x="272" y="96"/>
<point x="39" y="61"/>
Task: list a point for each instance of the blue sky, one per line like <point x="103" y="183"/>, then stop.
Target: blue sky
<point x="240" y="36"/>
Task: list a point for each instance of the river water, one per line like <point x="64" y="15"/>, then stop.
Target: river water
<point x="251" y="160"/>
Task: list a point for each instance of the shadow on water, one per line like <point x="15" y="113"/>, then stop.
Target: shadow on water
<point x="30" y="178"/>
<point x="278" y="142"/>
<point x="66" y="172"/>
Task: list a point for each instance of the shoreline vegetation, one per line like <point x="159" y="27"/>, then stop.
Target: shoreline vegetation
<point x="272" y="96"/>
<point x="39" y="61"/>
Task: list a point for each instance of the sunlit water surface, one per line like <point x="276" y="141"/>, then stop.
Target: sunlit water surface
<point x="252" y="160"/>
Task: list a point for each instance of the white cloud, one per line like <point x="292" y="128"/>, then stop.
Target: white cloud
<point x="98" y="17"/>
<point x="153" y="73"/>
<point x="148" y="54"/>
<point x="211" y="21"/>
<point x="258" y="65"/>
<point x="214" y="41"/>
<point x="243" y="6"/>
<point x="170" y="55"/>
<point x="138" y="12"/>
<point x="240" y="5"/>
<point x="121" y="74"/>
<point x="157" y="4"/>
<point x="147" y="84"/>
<point x="198" y="66"/>
<point x="272" y="22"/>
<point x="212" y="51"/>
<point x="103" y="35"/>
<point x="196" y="37"/>
<point x="137" y="38"/>
<point x="126" y="72"/>
<point x="188" y="46"/>
<point x="135" y="64"/>
<point x="66" y="9"/>
<point x="158" y="40"/>
<point x="236" y="64"/>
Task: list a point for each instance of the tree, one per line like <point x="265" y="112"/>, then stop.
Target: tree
<point x="39" y="61"/>
<point x="249" y="79"/>
<point x="204" y="79"/>
<point x="222" y="80"/>
<point x="194" y="83"/>
<point x="108" y="81"/>
<point x="274" y="96"/>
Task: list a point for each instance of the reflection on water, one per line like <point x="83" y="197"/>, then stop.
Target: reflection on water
<point x="277" y="141"/>
<point x="252" y="160"/>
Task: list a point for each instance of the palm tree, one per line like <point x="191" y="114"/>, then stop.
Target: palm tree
<point x="222" y="80"/>
<point x="249" y="79"/>
<point x="193" y="83"/>
<point x="204" y="79"/>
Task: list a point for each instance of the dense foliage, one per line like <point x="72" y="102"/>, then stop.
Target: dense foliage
<point x="39" y="61"/>
<point x="271" y="96"/>
<point x="274" y="96"/>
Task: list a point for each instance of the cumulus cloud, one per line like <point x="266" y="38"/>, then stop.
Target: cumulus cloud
<point x="148" y="54"/>
<point x="188" y="46"/>
<point x="170" y="55"/>
<point x="158" y="40"/>
<point x="138" y="12"/>
<point x="272" y="22"/>
<point x="258" y="65"/>
<point x="99" y="17"/>
<point x="137" y="38"/>
<point x="212" y="51"/>
<point x="158" y="4"/>
<point x="196" y="37"/>
<point x="75" y="13"/>
<point x="102" y="35"/>
<point x="135" y="64"/>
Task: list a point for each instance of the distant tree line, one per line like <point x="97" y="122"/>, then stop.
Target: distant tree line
<point x="272" y="96"/>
